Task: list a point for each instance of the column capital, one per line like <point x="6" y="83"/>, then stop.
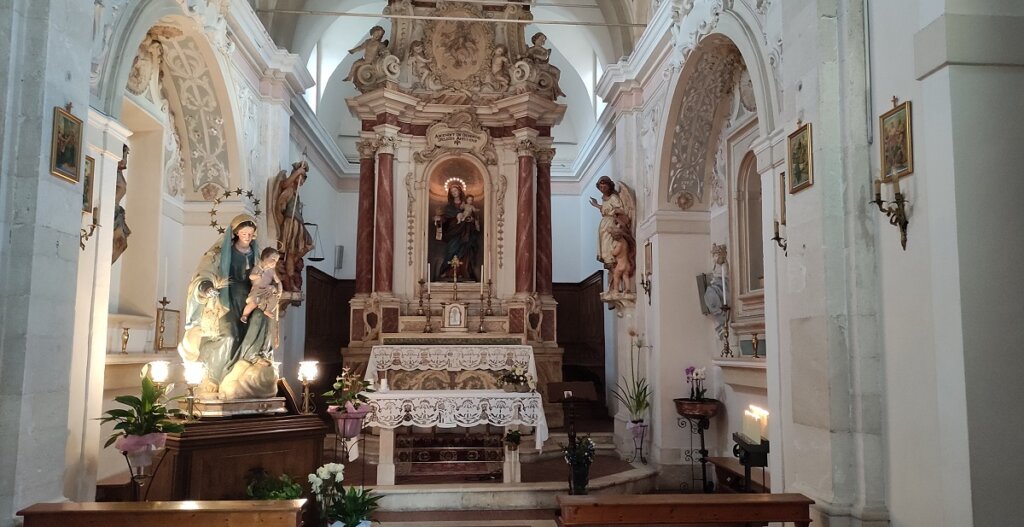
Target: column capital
<point x="545" y="155"/>
<point x="526" y="148"/>
<point x="386" y="144"/>
<point x="367" y="148"/>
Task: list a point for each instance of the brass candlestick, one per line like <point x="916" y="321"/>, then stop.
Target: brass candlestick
<point x="780" y="241"/>
<point x="419" y="310"/>
<point x="726" y="350"/>
<point x="489" y="312"/>
<point x="755" y="344"/>
<point x="427" y="328"/>
<point x="896" y="210"/>
<point x="163" y="324"/>
<point x="483" y="313"/>
<point x="124" y="341"/>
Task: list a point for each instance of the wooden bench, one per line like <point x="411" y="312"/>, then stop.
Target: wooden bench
<point x="286" y="513"/>
<point x="684" y="509"/>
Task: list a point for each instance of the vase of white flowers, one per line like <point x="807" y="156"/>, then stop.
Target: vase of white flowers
<point x="338" y="507"/>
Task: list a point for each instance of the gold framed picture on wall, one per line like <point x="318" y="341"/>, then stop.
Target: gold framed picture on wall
<point x="896" y="144"/>
<point x="66" y="146"/>
<point x="800" y="159"/>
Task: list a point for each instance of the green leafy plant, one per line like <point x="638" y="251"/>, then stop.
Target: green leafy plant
<point x="356" y="505"/>
<point x="264" y="487"/>
<point x="516" y="377"/>
<point x="579" y="451"/>
<point x="513" y="438"/>
<point x="634" y="393"/>
<point x="348" y="388"/>
<point x="144" y="415"/>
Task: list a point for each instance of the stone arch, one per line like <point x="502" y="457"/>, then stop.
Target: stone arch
<point x="726" y="41"/>
<point x="202" y="103"/>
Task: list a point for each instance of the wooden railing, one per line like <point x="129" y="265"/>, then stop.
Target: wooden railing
<point x="286" y="513"/>
<point x="685" y="509"/>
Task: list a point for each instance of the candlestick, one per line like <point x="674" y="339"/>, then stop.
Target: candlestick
<point x="489" y="311"/>
<point x="481" y="281"/>
<point x="429" y="279"/>
<point x="725" y="290"/>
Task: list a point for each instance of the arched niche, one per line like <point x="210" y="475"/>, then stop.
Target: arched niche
<point x="454" y="220"/>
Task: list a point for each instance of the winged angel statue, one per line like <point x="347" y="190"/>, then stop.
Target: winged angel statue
<point x="616" y="245"/>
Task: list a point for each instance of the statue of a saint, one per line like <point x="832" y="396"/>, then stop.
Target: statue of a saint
<point x="294" y="240"/>
<point x="236" y="353"/>
<point x="541" y="59"/>
<point x="120" y="230"/>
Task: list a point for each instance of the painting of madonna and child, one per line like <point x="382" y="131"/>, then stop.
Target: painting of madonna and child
<point x="456" y="232"/>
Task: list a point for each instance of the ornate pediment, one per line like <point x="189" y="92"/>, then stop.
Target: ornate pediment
<point x="456" y="59"/>
<point x="457" y="133"/>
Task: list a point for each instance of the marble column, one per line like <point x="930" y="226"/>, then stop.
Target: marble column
<point x="384" y="232"/>
<point x="544" y="156"/>
<point x="365" y="226"/>
<point x="525" y="250"/>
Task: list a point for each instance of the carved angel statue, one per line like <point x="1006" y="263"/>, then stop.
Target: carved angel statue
<point x="417" y="66"/>
<point x="373" y="48"/>
<point x="714" y="295"/>
<point x="500" y="63"/>
<point x="616" y="246"/>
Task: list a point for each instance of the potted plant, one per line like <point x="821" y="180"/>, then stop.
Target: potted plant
<point x="140" y="430"/>
<point x="696" y="405"/>
<point x="264" y="487"/>
<point x="579" y="454"/>
<point x="512" y="439"/>
<point x="338" y="507"/>
<point x="346" y="402"/>
<point x="634" y="393"/>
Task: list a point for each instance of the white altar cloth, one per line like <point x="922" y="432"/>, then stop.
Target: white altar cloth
<point x="452" y="408"/>
<point x="450" y="358"/>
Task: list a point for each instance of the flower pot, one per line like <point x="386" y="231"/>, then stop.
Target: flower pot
<point x="141" y="450"/>
<point x="637" y="428"/>
<point x="364" y="523"/>
<point x="516" y="388"/>
<point x="348" y="421"/>
<point x="579" y="478"/>
<point x="705" y="408"/>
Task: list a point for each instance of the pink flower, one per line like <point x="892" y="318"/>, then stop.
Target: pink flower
<point x="689" y="372"/>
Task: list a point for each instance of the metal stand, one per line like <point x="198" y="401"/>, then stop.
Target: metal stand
<point x="638" y="442"/>
<point x="750" y="455"/>
<point x="346" y="448"/>
<point x="697" y="426"/>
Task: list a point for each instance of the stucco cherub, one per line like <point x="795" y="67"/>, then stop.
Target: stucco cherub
<point x="373" y="48"/>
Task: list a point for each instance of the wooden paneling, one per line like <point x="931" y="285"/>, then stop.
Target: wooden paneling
<point x="685" y="509"/>
<point x="581" y="330"/>
<point x="327" y="323"/>
<point x="286" y="513"/>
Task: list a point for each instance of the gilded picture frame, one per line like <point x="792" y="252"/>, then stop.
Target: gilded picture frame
<point x="88" y="178"/>
<point x="66" y="146"/>
<point x="800" y="159"/>
<point x="896" y="142"/>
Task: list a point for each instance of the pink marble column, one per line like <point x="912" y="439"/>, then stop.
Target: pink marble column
<point x="384" y="233"/>
<point x="364" y="225"/>
<point x="525" y="250"/>
<point x="544" y="220"/>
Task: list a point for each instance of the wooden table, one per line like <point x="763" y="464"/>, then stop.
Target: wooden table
<point x="285" y="513"/>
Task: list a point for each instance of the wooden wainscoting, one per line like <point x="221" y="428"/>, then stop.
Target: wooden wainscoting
<point x="581" y="333"/>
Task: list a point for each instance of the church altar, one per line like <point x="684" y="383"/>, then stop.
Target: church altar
<point x="449" y="409"/>
<point x="449" y="358"/>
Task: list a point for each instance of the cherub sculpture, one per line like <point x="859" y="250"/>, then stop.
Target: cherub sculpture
<point x="373" y="48"/>
<point x="500" y="64"/>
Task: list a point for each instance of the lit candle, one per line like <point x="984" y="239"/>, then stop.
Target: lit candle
<point x="761" y="419"/>
<point x="750" y="426"/>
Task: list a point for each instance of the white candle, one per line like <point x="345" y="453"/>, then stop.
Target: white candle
<point x="428" y="278"/>
<point x="725" y="291"/>
<point x="750" y="426"/>
<point x="481" y="280"/>
<point x="165" y="276"/>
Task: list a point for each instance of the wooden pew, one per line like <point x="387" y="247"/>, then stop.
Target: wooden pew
<point x="684" y="509"/>
<point x="286" y="513"/>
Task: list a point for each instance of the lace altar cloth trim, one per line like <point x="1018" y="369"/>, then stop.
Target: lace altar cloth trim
<point x="450" y="358"/>
<point x="451" y="408"/>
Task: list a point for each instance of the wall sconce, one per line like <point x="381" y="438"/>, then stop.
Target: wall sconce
<point x="780" y="241"/>
<point x="195" y="372"/>
<point x="645" y="278"/>
<point x="318" y="253"/>
<point x="308" y="372"/>
<point x="87" y="233"/>
<point x="896" y="209"/>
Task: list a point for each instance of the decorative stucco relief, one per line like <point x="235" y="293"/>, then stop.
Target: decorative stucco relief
<point x="174" y="164"/>
<point x="710" y="82"/>
<point x="201" y="114"/>
<point x="106" y="14"/>
<point x="649" y="122"/>
<point x="249" y="113"/>
<point x="412" y="187"/>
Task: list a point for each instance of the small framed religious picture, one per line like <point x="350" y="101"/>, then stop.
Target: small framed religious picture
<point x="801" y="159"/>
<point x="896" y="143"/>
<point x="88" y="177"/>
<point x="66" y="146"/>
